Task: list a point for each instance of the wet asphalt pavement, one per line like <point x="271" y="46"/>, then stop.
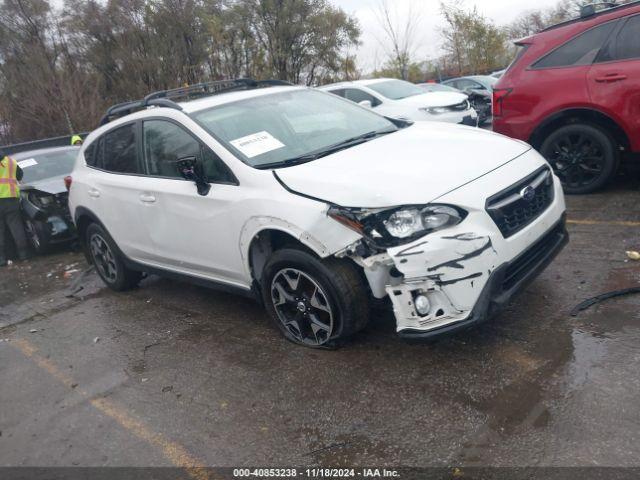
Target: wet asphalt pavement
<point x="173" y="374"/>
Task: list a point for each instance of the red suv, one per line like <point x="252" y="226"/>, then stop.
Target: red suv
<point x="573" y="92"/>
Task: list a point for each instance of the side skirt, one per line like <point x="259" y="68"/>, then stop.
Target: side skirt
<point x="202" y="282"/>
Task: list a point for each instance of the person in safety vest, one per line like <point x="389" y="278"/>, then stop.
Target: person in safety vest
<point x="10" y="215"/>
<point x="76" y="140"/>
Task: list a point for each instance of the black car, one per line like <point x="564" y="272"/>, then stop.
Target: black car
<point x="44" y="197"/>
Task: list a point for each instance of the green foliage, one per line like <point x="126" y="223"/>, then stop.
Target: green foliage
<point x="415" y="72"/>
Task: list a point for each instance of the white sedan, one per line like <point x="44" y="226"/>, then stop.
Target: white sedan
<point x="406" y="101"/>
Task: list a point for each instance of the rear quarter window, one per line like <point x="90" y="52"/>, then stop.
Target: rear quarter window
<point x="581" y="50"/>
<point x="90" y="154"/>
<point x="628" y="41"/>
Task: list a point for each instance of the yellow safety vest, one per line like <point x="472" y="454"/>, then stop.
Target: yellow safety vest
<point x="8" y="181"/>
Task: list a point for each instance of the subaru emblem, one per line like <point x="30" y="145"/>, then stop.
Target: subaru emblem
<point x="528" y="193"/>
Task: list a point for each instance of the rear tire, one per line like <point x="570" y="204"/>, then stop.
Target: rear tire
<point x="583" y="156"/>
<point x="315" y="303"/>
<point x="109" y="264"/>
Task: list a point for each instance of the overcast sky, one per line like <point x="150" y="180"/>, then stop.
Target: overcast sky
<point x="371" y="51"/>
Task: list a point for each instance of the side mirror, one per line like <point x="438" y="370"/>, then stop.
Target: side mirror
<point x="366" y="103"/>
<point x="190" y="168"/>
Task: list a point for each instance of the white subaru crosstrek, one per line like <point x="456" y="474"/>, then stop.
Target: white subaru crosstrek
<point x="315" y="206"/>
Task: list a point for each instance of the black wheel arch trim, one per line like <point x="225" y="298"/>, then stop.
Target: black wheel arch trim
<point x="613" y="127"/>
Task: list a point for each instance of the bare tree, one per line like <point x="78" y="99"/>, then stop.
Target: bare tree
<point x="400" y="35"/>
<point x="59" y="69"/>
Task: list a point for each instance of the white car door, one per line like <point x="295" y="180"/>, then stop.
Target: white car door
<point x="111" y="183"/>
<point x="192" y="234"/>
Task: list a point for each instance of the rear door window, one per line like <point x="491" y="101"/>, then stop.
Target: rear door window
<point x="581" y="50"/>
<point x="119" y="151"/>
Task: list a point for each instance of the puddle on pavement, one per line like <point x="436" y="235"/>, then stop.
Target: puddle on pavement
<point x="602" y="338"/>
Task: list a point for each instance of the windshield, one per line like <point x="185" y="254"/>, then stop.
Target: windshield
<point x="396" y="89"/>
<point x="275" y="128"/>
<point x="47" y="165"/>
<point x="490" y="81"/>
<point x="438" y="87"/>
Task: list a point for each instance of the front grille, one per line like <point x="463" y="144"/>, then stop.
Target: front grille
<point x="517" y="206"/>
<point x="535" y="255"/>
<point x="460" y="107"/>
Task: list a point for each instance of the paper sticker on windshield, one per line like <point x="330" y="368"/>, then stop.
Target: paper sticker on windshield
<point x="257" y="144"/>
<point x="29" y="162"/>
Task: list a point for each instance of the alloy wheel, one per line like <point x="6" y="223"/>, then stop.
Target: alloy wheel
<point x="578" y="159"/>
<point x="103" y="258"/>
<point x="302" y="306"/>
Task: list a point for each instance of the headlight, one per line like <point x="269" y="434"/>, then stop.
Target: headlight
<point x="39" y="200"/>
<point x="392" y="227"/>
<point x="435" y="110"/>
<point x="411" y="222"/>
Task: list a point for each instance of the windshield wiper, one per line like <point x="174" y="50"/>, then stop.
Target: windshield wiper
<point x="349" y="142"/>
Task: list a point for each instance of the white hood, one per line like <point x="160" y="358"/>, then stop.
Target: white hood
<point x="434" y="99"/>
<point x="412" y="166"/>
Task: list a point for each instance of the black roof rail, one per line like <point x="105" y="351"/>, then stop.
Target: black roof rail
<point x="588" y="12"/>
<point x="166" y="98"/>
<point x="591" y="9"/>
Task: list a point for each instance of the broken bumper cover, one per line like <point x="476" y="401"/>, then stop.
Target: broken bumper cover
<point x="504" y="282"/>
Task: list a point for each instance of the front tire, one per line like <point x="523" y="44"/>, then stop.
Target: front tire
<point x="37" y="235"/>
<point x="108" y="262"/>
<point x="583" y="156"/>
<point x="315" y="303"/>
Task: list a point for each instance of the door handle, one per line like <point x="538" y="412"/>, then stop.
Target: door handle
<point x="612" y="77"/>
<point x="147" y="198"/>
<point x="93" y="193"/>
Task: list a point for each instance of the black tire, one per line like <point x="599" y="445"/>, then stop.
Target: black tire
<point x="105" y="256"/>
<point x="37" y="236"/>
<point x="341" y="290"/>
<point x="583" y="156"/>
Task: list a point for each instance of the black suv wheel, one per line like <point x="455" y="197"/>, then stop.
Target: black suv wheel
<point x="583" y="156"/>
<point x="315" y="303"/>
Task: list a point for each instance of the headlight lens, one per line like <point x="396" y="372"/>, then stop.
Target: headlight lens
<point x="392" y="227"/>
<point x="40" y="200"/>
<point x="411" y="222"/>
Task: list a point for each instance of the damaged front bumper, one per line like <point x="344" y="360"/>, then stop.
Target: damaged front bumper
<point x="502" y="284"/>
<point x="464" y="274"/>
